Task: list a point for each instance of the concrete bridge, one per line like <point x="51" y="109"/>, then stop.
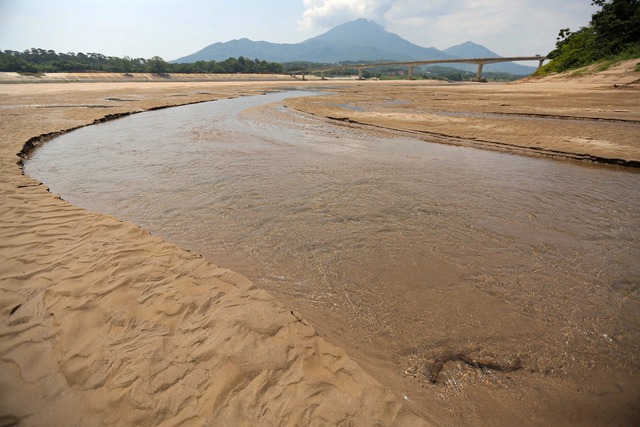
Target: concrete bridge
<point x="411" y="64"/>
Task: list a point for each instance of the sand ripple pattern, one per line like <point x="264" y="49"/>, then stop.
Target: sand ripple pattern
<point x="103" y="324"/>
<point x="442" y="269"/>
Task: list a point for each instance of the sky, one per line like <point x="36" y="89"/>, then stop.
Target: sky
<point x="175" y="28"/>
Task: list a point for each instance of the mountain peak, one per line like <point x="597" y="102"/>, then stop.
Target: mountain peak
<point x="361" y="31"/>
<point x="470" y="49"/>
<point x="364" y="22"/>
<point x="370" y="41"/>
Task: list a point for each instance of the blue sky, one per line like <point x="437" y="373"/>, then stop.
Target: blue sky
<point x="171" y="29"/>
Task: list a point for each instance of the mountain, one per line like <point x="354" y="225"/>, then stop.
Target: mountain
<point x="362" y="33"/>
<point x="359" y="40"/>
<point x="472" y="50"/>
<point x="266" y="51"/>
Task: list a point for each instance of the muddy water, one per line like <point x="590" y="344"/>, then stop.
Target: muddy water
<point x="482" y="287"/>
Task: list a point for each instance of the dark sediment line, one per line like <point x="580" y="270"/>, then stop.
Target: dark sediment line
<point x="560" y="117"/>
<point x="33" y="143"/>
<point x="491" y="145"/>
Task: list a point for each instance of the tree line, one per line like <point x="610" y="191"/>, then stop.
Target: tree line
<point x="48" y="61"/>
<point x="613" y="32"/>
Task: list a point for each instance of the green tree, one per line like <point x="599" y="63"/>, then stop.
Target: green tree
<point x="157" y="65"/>
<point x="616" y="25"/>
<point x="40" y="60"/>
<point x="613" y="30"/>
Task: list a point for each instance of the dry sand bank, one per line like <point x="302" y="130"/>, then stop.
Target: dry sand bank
<point x="104" y="324"/>
<point x="594" y="118"/>
<point x="93" y="77"/>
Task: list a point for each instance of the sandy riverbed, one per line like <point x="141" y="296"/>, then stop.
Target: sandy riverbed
<point x="594" y="118"/>
<point x="103" y="323"/>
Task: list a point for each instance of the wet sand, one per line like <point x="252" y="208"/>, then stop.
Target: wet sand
<point x="106" y="322"/>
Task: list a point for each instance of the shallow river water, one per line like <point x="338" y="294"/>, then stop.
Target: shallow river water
<point x="451" y="273"/>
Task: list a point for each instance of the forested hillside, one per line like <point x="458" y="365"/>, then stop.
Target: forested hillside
<point x="612" y="34"/>
<point x="48" y="61"/>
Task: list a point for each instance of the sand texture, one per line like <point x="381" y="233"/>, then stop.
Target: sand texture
<point x="595" y="118"/>
<point x="105" y="324"/>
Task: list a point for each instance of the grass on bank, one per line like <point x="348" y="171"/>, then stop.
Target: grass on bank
<point x="597" y="66"/>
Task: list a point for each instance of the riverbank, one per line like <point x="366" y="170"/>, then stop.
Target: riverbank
<point x="103" y="323"/>
<point x="96" y="77"/>
<point x="593" y="118"/>
<point x="106" y="322"/>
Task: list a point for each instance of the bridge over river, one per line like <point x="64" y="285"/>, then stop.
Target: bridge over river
<point x="411" y="64"/>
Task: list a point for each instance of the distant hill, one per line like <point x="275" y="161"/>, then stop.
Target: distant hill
<point x="243" y="47"/>
<point x="472" y="50"/>
<point x="359" y="40"/>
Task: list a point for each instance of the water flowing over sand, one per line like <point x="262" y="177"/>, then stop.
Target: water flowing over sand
<point x="440" y="268"/>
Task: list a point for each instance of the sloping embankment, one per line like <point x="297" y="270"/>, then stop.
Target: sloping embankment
<point x="11" y="77"/>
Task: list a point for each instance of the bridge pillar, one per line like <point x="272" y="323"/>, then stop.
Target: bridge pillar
<point x="322" y="75"/>
<point x="540" y="63"/>
<point x="360" y="74"/>
<point x="303" y="75"/>
<point x="410" y="75"/>
<point x="479" y="74"/>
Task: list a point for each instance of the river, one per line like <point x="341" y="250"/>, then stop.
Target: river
<point x="453" y="274"/>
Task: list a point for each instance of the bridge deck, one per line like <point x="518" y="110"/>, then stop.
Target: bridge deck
<point x="479" y="61"/>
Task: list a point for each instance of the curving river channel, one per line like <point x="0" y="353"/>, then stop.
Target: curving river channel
<point x="468" y="281"/>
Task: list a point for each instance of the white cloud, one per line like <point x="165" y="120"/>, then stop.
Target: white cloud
<point x="329" y="13"/>
<point x="509" y="27"/>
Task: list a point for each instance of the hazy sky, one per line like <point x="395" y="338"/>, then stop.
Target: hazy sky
<point x="175" y="28"/>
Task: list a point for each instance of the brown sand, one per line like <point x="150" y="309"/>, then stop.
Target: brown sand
<point x="596" y="117"/>
<point x="103" y="323"/>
